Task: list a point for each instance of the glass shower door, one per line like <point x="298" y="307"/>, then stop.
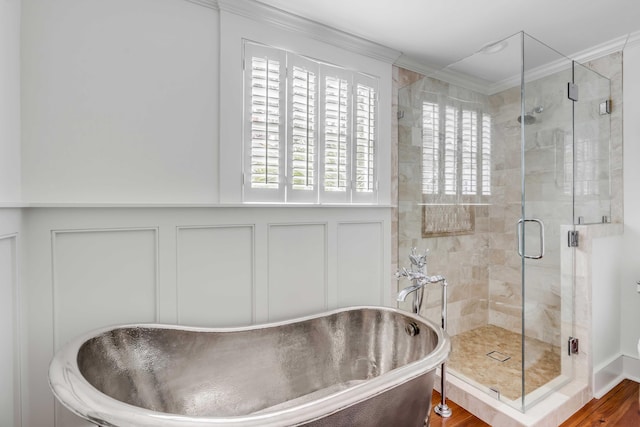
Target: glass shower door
<point x="565" y="182"/>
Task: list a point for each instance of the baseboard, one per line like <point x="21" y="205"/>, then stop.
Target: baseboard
<point x="607" y="375"/>
<point x="631" y="367"/>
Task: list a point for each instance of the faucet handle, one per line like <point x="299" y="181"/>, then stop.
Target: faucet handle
<point x="417" y="259"/>
<point x="402" y="273"/>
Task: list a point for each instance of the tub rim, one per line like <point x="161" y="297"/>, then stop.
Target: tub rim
<point x="75" y="393"/>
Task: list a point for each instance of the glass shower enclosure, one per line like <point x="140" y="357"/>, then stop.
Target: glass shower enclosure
<point x="499" y="156"/>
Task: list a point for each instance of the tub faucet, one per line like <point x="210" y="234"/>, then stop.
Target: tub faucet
<point x="402" y="295"/>
<point x="419" y="280"/>
<point x="418" y="277"/>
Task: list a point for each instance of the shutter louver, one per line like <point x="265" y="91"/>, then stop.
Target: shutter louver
<point x="303" y="127"/>
<point x="265" y="123"/>
<point x="430" y="148"/>
<point x="336" y="132"/>
<point x="365" y="139"/>
<point x="486" y="155"/>
<point x="469" y="152"/>
<point x="451" y="151"/>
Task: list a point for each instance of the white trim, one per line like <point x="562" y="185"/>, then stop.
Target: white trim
<point x="607" y="375"/>
<point x="633" y="40"/>
<point x="17" y="326"/>
<point x="251" y="227"/>
<point x="211" y="4"/>
<point x="479" y="85"/>
<point x="287" y="21"/>
<point x="631" y="367"/>
<point x="54" y="233"/>
<point x="450" y="76"/>
<point x="615" y="45"/>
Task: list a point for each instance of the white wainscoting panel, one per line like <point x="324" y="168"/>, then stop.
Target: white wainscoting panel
<point x="215" y="271"/>
<point x="100" y="278"/>
<point x="360" y="264"/>
<point x="9" y="352"/>
<point x="103" y="277"/>
<point x="297" y="278"/>
<point x="89" y="267"/>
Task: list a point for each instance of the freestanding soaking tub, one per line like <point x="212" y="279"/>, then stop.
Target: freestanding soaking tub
<point x="359" y="366"/>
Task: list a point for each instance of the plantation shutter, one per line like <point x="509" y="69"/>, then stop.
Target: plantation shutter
<point x="469" y="154"/>
<point x="486" y="155"/>
<point x="310" y="130"/>
<point x="264" y="158"/>
<point x="303" y="121"/>
<point x="451" y="151"/>
<point x="461" y="165"/>
<point x="336" y="135"/>
<point x="430" y="148"/>
<point x="365" y="146"/>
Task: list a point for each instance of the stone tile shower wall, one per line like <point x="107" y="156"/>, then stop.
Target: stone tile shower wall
<point x="462" y="259"/>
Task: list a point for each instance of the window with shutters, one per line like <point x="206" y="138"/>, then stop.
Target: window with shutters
<point x="456" y="152"/>
<point x="310" y="132"/>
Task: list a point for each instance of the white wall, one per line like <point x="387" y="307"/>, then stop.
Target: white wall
<point x="606" y="315"/>
<point x="119" y="101"/>
<point x="631" y="258"/>
<point x="10" y="101"/>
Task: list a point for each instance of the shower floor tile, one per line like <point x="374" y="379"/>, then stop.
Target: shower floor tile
<point x="491" y="356"/>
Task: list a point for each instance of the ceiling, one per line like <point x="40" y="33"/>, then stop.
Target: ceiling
<point x="439" y="32"/>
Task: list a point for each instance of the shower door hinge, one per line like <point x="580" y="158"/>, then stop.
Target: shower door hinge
<point x="572" y="91"/>
<point x="574" y="346"/>
<point x="573" y="239"/>
<point x="605" y="107"/>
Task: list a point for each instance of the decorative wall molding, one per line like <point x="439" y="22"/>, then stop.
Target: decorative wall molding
<point x="54" y="279"/>
<point x="458" y="79"/>
<point x="607" y="375"/>
<point x="251" y="267"/>
<point x="211" y="4"/>
<point x="17" y="343"/>
<point x="484" y="87"/>
<point x="261" y="12"/>
<point x="377" y="253"/>
<point x="297" y="270"/>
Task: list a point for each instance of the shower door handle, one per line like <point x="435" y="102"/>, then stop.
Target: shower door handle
<point x="520" y="226"/>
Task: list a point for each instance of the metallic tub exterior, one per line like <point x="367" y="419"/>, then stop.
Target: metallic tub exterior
<point x="357" y="366"/>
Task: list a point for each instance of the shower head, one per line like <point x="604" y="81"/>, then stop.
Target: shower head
<point x="529" y="117"/>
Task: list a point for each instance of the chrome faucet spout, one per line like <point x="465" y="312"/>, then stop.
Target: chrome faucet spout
<point x="402" y="295"/>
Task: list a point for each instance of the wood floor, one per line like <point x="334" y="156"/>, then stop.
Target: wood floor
<point x="617" y="408"/>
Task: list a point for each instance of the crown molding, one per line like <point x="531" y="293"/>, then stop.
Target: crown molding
<point x="263" y="13"/>
<point x="479" y="85"/>
<point x="211" y="4"/>
<point x="582" y="57"/>
<point x="634" y="39"/>
<point x="448" y="76"/>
